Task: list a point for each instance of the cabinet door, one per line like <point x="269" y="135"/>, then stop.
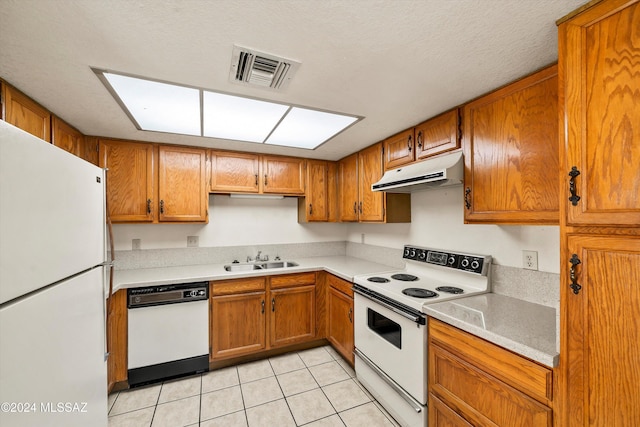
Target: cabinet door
<point x="316" y="206"/>
<point x="238" y="324"/>
<point x="600" y="343"/>
<point x="66" y="137"/>
<point x="332" y="192"/>
<point x="511" y="153"/>
<point x="283" y="175"/>
<point x="340" y="319"/>
<point x="348" y="188"/>
<point x="293" y="317"/>
<point x="182" y="184"/>
<point x="398" y="149"/>
<point x="440" y="415"/>
<point x="130" y="180"/>
<point x="600" y="75"/>
<point x="117" y="339"/>
<point x="24" y="113"/>
<point x="371" y="205"/>
<point x="234" y="172"/>
<point x="438" y="135"/>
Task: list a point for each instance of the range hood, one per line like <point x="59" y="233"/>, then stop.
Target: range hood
<point x="435" y="172"/>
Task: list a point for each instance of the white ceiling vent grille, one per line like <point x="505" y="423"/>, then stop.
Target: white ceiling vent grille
<point x="261" y="69"/>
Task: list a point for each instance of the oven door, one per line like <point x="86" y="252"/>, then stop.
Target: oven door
<point x="393" y="343"/>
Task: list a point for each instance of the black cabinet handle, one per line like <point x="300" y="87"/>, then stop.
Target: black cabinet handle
<point x="256" y="179"/>
<point x="350" y="315"/>
<point x="262" y="303"/>
<point x="161" y="206"/>
<point x="572" y="186"/>
<point x="360" y="207"/>
<point x="273" y="304"/>
<point x="410" y="143"/>
<point x="148" y="206"/>
<point x="310" y="208"/>
<point x="467" y="201"/>
<point x="575" y="261"/>
<point x="265" y="179"/>
<point x="419" y="139"/>
<point x="355" y="207"/>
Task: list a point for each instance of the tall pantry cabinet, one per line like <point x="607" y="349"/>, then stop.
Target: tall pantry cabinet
<point x="599" y="103"/>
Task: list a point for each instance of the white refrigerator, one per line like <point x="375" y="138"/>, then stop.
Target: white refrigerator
<point x="53" y="367"/>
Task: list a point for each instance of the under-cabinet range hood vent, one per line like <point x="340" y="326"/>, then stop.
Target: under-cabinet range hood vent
<point x="264" y="70"/>
<point x="440" y="171"/>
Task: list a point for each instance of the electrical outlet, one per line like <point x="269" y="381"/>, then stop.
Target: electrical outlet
<point x="192" y="241"/>
<point x="136" y="244"/>
<point x="530" y="260"/>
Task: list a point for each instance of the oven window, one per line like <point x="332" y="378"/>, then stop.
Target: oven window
<point x="385" y="327"/>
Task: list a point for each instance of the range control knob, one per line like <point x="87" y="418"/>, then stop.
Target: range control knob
<point x="406" y="252"/>
<point x="475" y="264"/>
<point x="422" y="255"/>
<point x="413" y="253"/>
<point x="465" y="262"/>
<point x="451" y="260"/>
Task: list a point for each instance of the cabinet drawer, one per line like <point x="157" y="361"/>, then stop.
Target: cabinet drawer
<point x="340" y="285"/>
<point x="481" y="398"/>
<point x="290" y="280"/>
<point x="237" y="286"/>
<point x="518" y="372"/>
<point x="440" y="415"/>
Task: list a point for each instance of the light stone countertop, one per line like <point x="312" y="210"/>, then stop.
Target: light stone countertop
<point x="523" y="327"/>
<point x="344" y="267"/>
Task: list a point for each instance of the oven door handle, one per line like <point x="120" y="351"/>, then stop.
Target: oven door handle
<point x="411" y="317"/>
<point x="406" y="396"/>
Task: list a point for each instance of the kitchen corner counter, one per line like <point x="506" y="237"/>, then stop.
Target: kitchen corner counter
<point x="525" y="328"/>
<point x="344" y="267"/>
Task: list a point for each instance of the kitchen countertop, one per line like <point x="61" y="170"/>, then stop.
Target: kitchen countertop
<point x="525" y="328"/>
<point x="342" y="266"/>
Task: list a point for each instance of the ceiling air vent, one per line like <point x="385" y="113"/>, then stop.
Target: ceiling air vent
<point x="261" y="69"/>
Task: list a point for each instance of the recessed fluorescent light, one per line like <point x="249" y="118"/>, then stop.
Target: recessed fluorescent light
<point x="158" y="106"/>
<point x="306" y="128"/>
<point x="166" y="107"/>
<point x="255" y="196"/>
<point x="242" y="119"/>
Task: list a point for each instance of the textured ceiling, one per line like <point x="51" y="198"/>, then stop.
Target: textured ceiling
<point x="394" y="62"/>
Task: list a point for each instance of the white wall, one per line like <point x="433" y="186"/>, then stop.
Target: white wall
<point x="437" y="221"/>
<point x="234" y="222"/>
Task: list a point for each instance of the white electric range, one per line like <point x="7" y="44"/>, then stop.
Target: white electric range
<point x="390" y="324"/>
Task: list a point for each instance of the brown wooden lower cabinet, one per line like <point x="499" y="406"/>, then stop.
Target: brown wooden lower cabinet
<point x="340" y="316"/>
<point x="117" y="341"/>
<point x="474" y="382"/>
<point x="255" y="314"/>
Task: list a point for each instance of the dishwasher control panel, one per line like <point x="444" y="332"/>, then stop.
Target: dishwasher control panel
<point x="167" y="294"/>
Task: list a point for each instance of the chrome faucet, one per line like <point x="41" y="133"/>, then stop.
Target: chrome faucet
<point x="265" y="258"/>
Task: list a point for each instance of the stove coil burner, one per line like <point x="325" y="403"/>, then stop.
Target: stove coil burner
<point x="376" y="279"/>
<point x="419" y="293"/>
<point x="449" y="289"/>
<point x="405" y="277"/>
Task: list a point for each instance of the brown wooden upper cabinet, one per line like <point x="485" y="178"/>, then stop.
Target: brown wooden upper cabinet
<point x="511" y="153"/>
<point x="429" y="138"/>
<point x="66" y="137"/>
<point x="357" y="202"/>
<point x="438" y="135"/>
<point x="602" y="110"/>
<point x="146" y="183"/>
<point x="24" y="113"/>
<point x="399" y="149"/>
<point x="314" y="206"/>
<point x="182" y="189"/>
<point x="234" y="172"/>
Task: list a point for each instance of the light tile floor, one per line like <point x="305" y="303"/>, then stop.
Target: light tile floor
<point x="314" y="388"/>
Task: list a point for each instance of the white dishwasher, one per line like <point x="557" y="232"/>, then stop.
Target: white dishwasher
<point x="168" y="332"/>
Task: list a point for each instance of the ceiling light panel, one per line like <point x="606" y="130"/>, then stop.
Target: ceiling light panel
<point x="158" y="106"/>
<point x="242" y="119"/>
<point x="304" y="128"/>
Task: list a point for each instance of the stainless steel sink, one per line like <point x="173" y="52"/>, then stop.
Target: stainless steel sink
<point x="242" y="267"/>
<point x="278" y="264"/>
<point x="261" y="266"/>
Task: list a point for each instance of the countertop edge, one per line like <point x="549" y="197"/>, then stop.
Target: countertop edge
<point x="550" y="360"/>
